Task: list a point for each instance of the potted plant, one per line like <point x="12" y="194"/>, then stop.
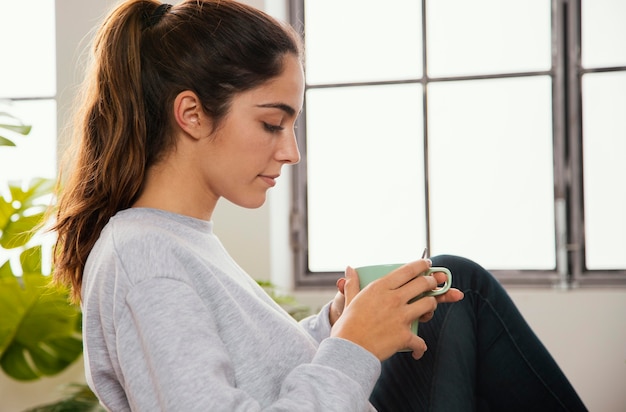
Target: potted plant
<point x="40" y="331"/>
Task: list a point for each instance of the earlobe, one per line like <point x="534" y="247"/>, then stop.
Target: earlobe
<point x="189" y="114"/>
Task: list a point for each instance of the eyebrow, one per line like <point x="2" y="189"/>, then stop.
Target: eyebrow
<point x="282" y="106"/>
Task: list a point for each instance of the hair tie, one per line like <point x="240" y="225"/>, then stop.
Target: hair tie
<point x="157" y="14"/>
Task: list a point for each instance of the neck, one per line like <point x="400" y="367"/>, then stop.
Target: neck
<point x="168" y="186"/>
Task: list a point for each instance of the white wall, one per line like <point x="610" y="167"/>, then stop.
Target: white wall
<point x="584" y="329"/>
<point x="17" y="396"/>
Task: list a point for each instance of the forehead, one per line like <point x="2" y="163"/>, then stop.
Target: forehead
<point x="285" y="89"/>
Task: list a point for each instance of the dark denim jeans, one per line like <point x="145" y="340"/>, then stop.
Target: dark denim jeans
<point x="482" y="356"/>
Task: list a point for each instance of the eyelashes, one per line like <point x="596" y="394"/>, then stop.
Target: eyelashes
<point x="272" y="128"/>
<point x="275" y="128"/>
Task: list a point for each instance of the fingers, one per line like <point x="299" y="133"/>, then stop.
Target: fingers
<point x="440" y="277"/>
<point x="422" y="309"/>
<point x="338" y="303"/>
<point x="416" y="287"/>
<point x="341" y="283"/>
<point x="351" y="285"/>
<point x="418" y="346"/>
<point x="451" y="296"/>
<point x="405" y="273"/>
<point x="426" y="317"/>
<point x="336" y="308"/>
<point x="406" y="280"/>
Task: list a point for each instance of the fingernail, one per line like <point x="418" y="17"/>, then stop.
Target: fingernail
<point x="341" y="282"/>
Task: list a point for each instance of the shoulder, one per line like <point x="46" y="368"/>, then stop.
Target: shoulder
<point x="151" y="230"/>
<point x="145" y="243"/>
<point x="153" y="225"/>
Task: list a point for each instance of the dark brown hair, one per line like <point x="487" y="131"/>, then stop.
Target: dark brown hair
<point x="144" y="55"/>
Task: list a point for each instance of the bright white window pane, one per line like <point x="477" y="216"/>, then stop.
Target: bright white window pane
<point x="362" y="40"/>
<point x="603" y="33"/>
<point x="35" y="153"/>
<point x="365" y="176"/>
<point x="604" y="142"/>
<point x="487" y="36"/>
<point x="491" y="173"/>
<point x="27" y="48"/>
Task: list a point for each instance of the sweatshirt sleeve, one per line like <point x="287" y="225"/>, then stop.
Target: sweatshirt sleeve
<point x="318" y="325"/>
<point x="172" y="359"/>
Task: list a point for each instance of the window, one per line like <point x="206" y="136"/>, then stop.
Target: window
<point x="28" y="88"/>
<point x="27" y="96"/>
<point x="490" y="129"/>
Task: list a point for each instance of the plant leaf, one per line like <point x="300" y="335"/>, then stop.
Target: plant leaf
<point x="32" y="196"/>
<point x="17" y="128"/>
<point x="6" y="272"/>
<point x="79" y="398"/>
<point x="41" y="336"/>
<point x="6" y="142"/>
<point x="12" y="306"/>
<point x="6" y="211"/>
<point x="14" y="363"/>
<point x="21" y="215"/>
<point x="31" y="260"/>
<point x="18" y="233"/>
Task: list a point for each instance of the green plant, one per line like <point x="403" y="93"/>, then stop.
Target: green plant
<point x="39" y="329"/>
<point x="288" y="302"/>
<point x="12" y="124"/>
<point x="78" y="398"/>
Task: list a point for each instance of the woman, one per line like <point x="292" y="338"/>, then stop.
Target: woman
<point x="186" y="105"/>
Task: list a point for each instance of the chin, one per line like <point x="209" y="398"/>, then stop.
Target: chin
<point x="252" y="202"/>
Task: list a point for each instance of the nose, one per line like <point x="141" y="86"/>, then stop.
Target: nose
<point x="288" y="151"/>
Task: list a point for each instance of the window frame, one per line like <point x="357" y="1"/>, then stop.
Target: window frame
<point x="566" y="73"/>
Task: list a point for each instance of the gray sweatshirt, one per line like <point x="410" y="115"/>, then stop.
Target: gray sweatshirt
<point x="172" y="323"/>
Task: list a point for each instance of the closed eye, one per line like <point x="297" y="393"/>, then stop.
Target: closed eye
<point x="272" y="128"/>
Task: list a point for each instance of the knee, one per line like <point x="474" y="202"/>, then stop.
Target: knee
<point x="456" y="263"/>
<point x="466" y="274"/>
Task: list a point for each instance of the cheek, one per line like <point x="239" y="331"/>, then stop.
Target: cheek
<point x="258" y="148"/>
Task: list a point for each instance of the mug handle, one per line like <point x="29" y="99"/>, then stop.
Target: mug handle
<point x="438" y="291"/>
<point x="446" y="285"/>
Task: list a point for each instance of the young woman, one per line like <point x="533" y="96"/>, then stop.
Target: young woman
<point x="190" y="103"/>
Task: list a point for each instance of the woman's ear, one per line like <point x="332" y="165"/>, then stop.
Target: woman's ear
<point x="189" y="115"/>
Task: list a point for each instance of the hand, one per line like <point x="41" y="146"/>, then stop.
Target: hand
<point x="378" y="318"/>
<point x="338" y="303"/>
<point x="451" y="296"/>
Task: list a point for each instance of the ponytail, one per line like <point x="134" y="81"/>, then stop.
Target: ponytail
<point x="110" y="139"/>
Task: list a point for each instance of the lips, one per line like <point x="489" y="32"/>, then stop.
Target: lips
<point x="270" y="180"/>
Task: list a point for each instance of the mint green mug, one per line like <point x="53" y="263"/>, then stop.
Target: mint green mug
<point x="368" y="274"/>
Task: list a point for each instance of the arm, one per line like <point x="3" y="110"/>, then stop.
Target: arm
<point x="173" y="358"/>
<point x="318" y="325"/>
